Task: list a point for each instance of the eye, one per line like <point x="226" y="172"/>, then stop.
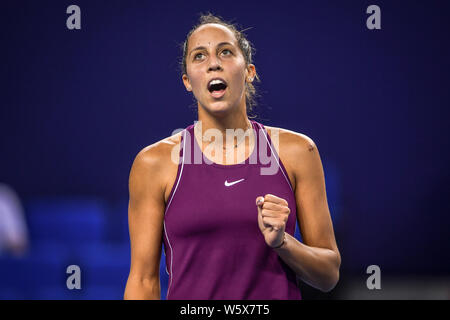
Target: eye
<point x="195" y="57"/>
<point x="227" y="50"/>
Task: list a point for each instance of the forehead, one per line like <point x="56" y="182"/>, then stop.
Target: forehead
<point x="211" y="34"/>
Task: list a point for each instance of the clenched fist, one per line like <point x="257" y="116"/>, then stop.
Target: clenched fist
<point x="273" y="213"/>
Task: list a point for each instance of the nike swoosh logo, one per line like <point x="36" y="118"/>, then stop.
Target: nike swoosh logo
<point x="227" y="184"/>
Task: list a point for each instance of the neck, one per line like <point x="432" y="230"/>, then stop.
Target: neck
<point x="234" y="121"/>
<point x="231" y="122"/>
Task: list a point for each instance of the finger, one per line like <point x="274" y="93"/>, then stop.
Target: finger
<point x="270" y="213"/>
<point x="274" y="223"/>
<point x="274" y="199"/>
<point x="273" y="206"/>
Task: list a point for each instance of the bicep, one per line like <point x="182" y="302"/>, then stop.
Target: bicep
<point x="145" y="217"/>
<point x="312" y="207"/>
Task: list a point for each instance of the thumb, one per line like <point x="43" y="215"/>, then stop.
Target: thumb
<point x="259" y="203"/>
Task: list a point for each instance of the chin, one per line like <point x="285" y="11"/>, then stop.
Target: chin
<point x="218" y="108"/>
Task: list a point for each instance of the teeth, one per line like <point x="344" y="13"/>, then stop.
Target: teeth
<point x="216" y="81"/>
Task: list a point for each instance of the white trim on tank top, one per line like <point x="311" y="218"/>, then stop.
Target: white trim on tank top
<point x="276" y="158"/>
<point x="167" y="208"/>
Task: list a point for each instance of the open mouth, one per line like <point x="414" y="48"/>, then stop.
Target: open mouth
<point x="217" y="87"/>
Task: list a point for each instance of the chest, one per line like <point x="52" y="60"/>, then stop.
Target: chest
<point x="212" y="201"/>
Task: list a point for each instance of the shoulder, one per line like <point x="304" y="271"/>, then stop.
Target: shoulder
<point x="159" y="152"/>
<point x="156" y="159"/>
<point x="291" y="142"/>
<point x="296" y="150"/>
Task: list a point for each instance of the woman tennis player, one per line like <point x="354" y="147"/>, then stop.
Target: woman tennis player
<point x="224" y="205"/>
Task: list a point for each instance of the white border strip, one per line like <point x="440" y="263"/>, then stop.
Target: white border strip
<point x="181" y="172"/>
<point x="276" y="157"/>
<point x="167" y="208"/>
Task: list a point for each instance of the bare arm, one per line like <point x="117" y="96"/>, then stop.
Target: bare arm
<point x="145" y="218"/>
<point x="317" y="260"/>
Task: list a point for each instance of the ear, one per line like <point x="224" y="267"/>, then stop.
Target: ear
<point x="186" y="82"/>
<point x="250" y="73"/>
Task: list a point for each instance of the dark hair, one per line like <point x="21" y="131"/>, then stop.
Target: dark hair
<point x="246" y="47"/>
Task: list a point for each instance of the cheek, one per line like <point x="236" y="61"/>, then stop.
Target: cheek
<point x="194" y="79"/>
<point x="239" y="73"/>
<point x="238" y="78"/>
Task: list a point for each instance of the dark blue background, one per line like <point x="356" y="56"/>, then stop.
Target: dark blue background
<point x="78" y="105"/>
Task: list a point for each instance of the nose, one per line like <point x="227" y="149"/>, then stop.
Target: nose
<point x="214" y="64"/>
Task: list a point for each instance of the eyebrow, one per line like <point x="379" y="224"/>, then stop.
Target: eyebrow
<point x="219" y="45"/>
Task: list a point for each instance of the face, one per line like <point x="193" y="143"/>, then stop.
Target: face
<point x="213" y="52"/>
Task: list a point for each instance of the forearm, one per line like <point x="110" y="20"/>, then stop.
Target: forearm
<point x="318" y="267"/>
<point x="142" y="289"/>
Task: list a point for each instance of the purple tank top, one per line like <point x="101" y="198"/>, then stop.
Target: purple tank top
<point x="213" y="246"/>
